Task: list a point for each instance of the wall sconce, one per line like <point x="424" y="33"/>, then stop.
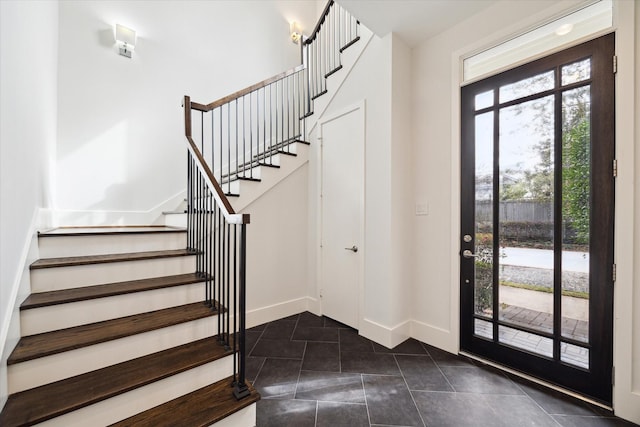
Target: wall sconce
<point x="296" y="32"/>
<point x="126" y="40"/>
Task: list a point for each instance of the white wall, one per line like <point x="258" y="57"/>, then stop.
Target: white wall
<point x="121" y="151"/>
<point x="277" y="242"/>
<point x="435" y="74"/>
<point x="380" y="78"/>
<point x="402" y="208"/>
<point x="28" y="65"/>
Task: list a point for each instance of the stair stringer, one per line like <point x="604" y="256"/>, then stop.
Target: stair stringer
<point x="249" y="191"/>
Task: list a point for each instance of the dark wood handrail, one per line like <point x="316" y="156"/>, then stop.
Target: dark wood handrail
<point x="227" y="210"/>
<point x="323" y="16"/>
<point x="245" y="91"/>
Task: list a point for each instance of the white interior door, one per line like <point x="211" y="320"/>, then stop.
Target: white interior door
<point x="342" y="204"/>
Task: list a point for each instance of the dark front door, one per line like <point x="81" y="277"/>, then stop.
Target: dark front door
<point x="536" y="256"/>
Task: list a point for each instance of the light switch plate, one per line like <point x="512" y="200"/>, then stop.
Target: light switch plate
<point x="422" y="209"/>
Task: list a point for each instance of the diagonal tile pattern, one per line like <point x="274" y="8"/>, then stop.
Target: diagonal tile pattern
<point x="313" y="371"/>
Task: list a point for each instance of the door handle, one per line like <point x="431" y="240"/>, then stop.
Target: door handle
<point x="353" y="248"/>
<point x="468" y="254"/>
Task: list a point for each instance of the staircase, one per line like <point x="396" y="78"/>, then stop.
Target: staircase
<point x="144" y="326"/>
<point x="116" y="332"/>
<point x="241" y="138"/>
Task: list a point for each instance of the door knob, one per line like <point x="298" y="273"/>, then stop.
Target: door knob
<point x="468" y="254"/>
<point x="353" y="248"/>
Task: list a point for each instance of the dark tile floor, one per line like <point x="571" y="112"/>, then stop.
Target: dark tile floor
<point x="314" y="371"/>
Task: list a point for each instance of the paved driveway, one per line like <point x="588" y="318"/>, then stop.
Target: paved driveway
<point x="543" y="258"/>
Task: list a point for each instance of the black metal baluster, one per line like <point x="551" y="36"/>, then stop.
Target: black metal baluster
<point x="229" y="143"/>
<point x="222" y="338"/>
<point x="235" y="298"/>
<point x="188" y="200"/>
<point x="251" y="163"/>
<point x="219" y="276"/>
<point x="271" y="123"/>
<point x="228" y="286"/>
<point x="282" y="114"/>
<point x="237" y="119"/>
<point x="198" y="227"/>
<point x="250" y="135"/>
<point x="210" y="243"/>
<point x="336" y="18"/>
<point x="244" y="136"/>
<point x="241" y="390"/>
<point x="197" y="222"/>
<point x="264" y="126"/>
<point x="213" y="148"/>
<point x="214" y="255"/>
<point x="206" y="240"/>
<point x="331" y="41"/>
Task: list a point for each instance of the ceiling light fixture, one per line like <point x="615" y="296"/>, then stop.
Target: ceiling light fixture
<point x="564" y="29"/>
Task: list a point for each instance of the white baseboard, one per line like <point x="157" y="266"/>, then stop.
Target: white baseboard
<point x="313" y="306"/>
<point x="434" y="336"/>
<point x="383" y="335"/>
<point x="103" y="217"/>
<point x="261" y="315"/>
<point x="20" y="289"/>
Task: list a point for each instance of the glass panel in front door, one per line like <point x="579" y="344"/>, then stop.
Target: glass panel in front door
<point x="527" y="168"/>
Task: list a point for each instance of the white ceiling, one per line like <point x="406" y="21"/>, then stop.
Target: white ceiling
<point x="413" y="20"/>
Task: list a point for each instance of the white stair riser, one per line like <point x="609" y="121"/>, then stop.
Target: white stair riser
<point x="68" y="246"/>
<point x="175" y="220"/>
<point x="61" y="316"/>
<point x="128" y="404"/>
<point x="54" y="279"/>
<point x="33" y="373"/>
<point x="245" y="417"/>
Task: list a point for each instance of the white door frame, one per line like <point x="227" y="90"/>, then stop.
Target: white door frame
<point x="359" y="108"/>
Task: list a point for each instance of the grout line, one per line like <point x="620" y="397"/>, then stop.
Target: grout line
<point x="294" y="329"/>
<point x="535" y="402"/>
<point x="295" y="390"/>
<point x="265" y="359"/>
<point x="409" y="390"/>
<point x="366" y="403"/>
<point x="445" y="377"/>
<point x="256" y="343"/>
<point x="259" y="371"/>
<point x="340" y="356"/>
<point x="337" y="402"/>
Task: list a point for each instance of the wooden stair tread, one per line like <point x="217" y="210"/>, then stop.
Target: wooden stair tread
<point x="51" y="400"/>
<point x="45" y="299"/>
<point x="335" y="70"/>
<point x="110" y="230"/>
<point x="199" y="408"/>
<point x="276" y="148"/>
<point x="348" y="45"/>
<point x="100" y="259"/>
<point x="48" y="343"/>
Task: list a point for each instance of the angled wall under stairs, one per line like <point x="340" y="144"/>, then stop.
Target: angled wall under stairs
<point x="116" y="332"/>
